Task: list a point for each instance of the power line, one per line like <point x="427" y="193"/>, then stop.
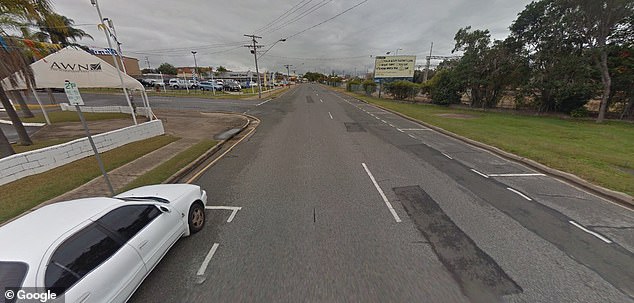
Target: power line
<point x="329" y="19"/>
<point x="284" y="15"/>
<point x="301" y="16"/>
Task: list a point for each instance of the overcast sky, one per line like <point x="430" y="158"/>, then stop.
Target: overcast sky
<point x="167" y="31"/>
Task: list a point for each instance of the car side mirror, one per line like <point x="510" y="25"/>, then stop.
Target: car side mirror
<point x="164" y="209"/>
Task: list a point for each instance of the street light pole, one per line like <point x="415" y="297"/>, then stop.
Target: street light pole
<point x="116" y="62"/>
<point x="195" y="64"/>
<point x="288" y="73"/>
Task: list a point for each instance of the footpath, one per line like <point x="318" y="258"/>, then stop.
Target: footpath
<point x="191" y="127"/>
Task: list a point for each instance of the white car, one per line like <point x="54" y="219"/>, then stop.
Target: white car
<point x="98" y="249"/>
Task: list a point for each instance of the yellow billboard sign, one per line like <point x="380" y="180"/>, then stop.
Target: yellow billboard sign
<point x="394" y="66"/>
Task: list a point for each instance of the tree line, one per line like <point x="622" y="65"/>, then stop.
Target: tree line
<point x="558" y="56"/>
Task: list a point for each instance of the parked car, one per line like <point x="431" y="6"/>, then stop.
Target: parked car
<point x="210" y="85"/>
<point x="193" y="83"/>
<point x="231" y="85"/>
<point x="176" y="83"/>
<point x="98" y="249"/>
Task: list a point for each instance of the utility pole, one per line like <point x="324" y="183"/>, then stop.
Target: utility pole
<point x="254" y="51"/>
<point x="426" y="74"/>
<point x="116" y="62"/>
<point x="195" y="65"/>
<point x="147" y="60"/>
<point x="288" y="73"/>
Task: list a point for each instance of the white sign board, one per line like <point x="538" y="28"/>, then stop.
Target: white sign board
<point x="72" y="92"/>
<point x="394" y="66"/>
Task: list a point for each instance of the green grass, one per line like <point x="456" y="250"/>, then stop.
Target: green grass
<point x="27" y="192"/>
<point x="171" y="166"/>
<point x="600" y="153"/>
<point x="40" y="144"/>
<point x="58" y="117"/>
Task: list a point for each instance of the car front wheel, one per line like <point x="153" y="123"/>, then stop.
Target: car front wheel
<point x="196" y="217"/>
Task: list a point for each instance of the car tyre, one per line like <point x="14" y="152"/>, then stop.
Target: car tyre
<point x="196" y="218"/>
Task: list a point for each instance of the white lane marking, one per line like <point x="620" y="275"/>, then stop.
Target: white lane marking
<point x="378" y="188"/>
<point x="263" y="102"/>
<point x="233" y="209"/>
<point x="520" y="194"/>
<point x="414" y="129"/>
<point x="390" y="124"/>
<point x="329" y="114"/>
<point x="377" y="117"/>
<point x="203" y="267"/>
<point x="515" y="175"/>
<point x="383" y="121"/>
<point x="320" y="100"/>
<point x="479" y="173"/>
<point x="412" y="136"/>
<point x="448" y="156"/>
<point x="400" y="130"/>
<point x="601" y="237"/>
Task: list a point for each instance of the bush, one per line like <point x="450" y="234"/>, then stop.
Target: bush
<point x="580" y="112"/>
<point x="369" y="86"/>
<point x="402" y="90"/>
<point x="444" y="88"/>
<point x="352" y="83"/>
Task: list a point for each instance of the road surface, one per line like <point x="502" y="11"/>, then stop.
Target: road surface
<point x="332" y="200"/>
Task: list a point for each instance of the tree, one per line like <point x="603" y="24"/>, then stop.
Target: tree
<point x="59" y="29"/>
<point x="445" y="87"/>
<point x="596" y="21"/>
<point x="561" y="76"/>
<point x="167" y="68"/>
<point x="402" y="90"/>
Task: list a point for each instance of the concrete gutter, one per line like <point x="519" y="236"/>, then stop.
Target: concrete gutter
<point x="208" y="154"/>
<point x="619" y="197"/>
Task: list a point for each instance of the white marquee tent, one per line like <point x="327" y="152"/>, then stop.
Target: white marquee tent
<point x="75" y="65"/>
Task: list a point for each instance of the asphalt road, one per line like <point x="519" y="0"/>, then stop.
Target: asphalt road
<point x="334" y="200"/>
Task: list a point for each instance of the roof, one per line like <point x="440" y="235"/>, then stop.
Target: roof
<point x="75" y="65"/>
<point x="28" y="237"/>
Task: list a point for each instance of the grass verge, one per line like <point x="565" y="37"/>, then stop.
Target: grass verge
<point x="171" y="166"/>
<point x="59" y="117"/>
<point x="600" y="153"/>
<point x="23" y="194"/>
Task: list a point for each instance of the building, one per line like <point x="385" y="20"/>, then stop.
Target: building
<point x="131" y="64"/>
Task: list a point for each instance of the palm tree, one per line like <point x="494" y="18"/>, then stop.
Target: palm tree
<point x="12" y="60"/>
<point x="60" y="30"/>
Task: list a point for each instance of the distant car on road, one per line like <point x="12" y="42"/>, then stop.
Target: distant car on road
<point x="210" y="86"/>
<point x="98" y="249"/>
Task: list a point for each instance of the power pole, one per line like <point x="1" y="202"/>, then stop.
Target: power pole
<point x="426" y="74"/>
<point x="288" y="73"/>
<point x="147" y="60"/>
<point x="254" y="51"/>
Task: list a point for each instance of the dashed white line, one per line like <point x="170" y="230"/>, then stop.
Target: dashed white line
<point x="400" y="130"/>
<point x="515" y="175"/>
<point x="203" y="267"/>
<point x="601" y="237"/>
<point x="414" y="129"/>
<point x="412" y="136"/>
<point x="479" y="173"/>
<point x="520" y="194"/>
<point x="329" y="114"/>
<point x="448" y="156"/>
<point x="383" y="121"/>
<point x="320" y="100"/>
<point x="390" y="124"/>
<point x="378" y="188"/>
<point x="263" y="102"/>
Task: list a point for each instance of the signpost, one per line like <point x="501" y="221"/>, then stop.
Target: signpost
<point x="74" y="98"/>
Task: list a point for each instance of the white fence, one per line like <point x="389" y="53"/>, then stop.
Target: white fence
<point x="105" y="109"/>
<point x="37" y="161"/>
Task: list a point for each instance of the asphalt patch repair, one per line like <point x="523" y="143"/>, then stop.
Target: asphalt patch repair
<point x="480" y="277"/>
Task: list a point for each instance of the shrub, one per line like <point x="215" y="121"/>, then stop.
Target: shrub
<point x="444" y="88"/>
<point x="581" y="112"/>
<point x="402" y="90"/>
<point x="369" y="86"/>
<point x="350" y="84"/>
